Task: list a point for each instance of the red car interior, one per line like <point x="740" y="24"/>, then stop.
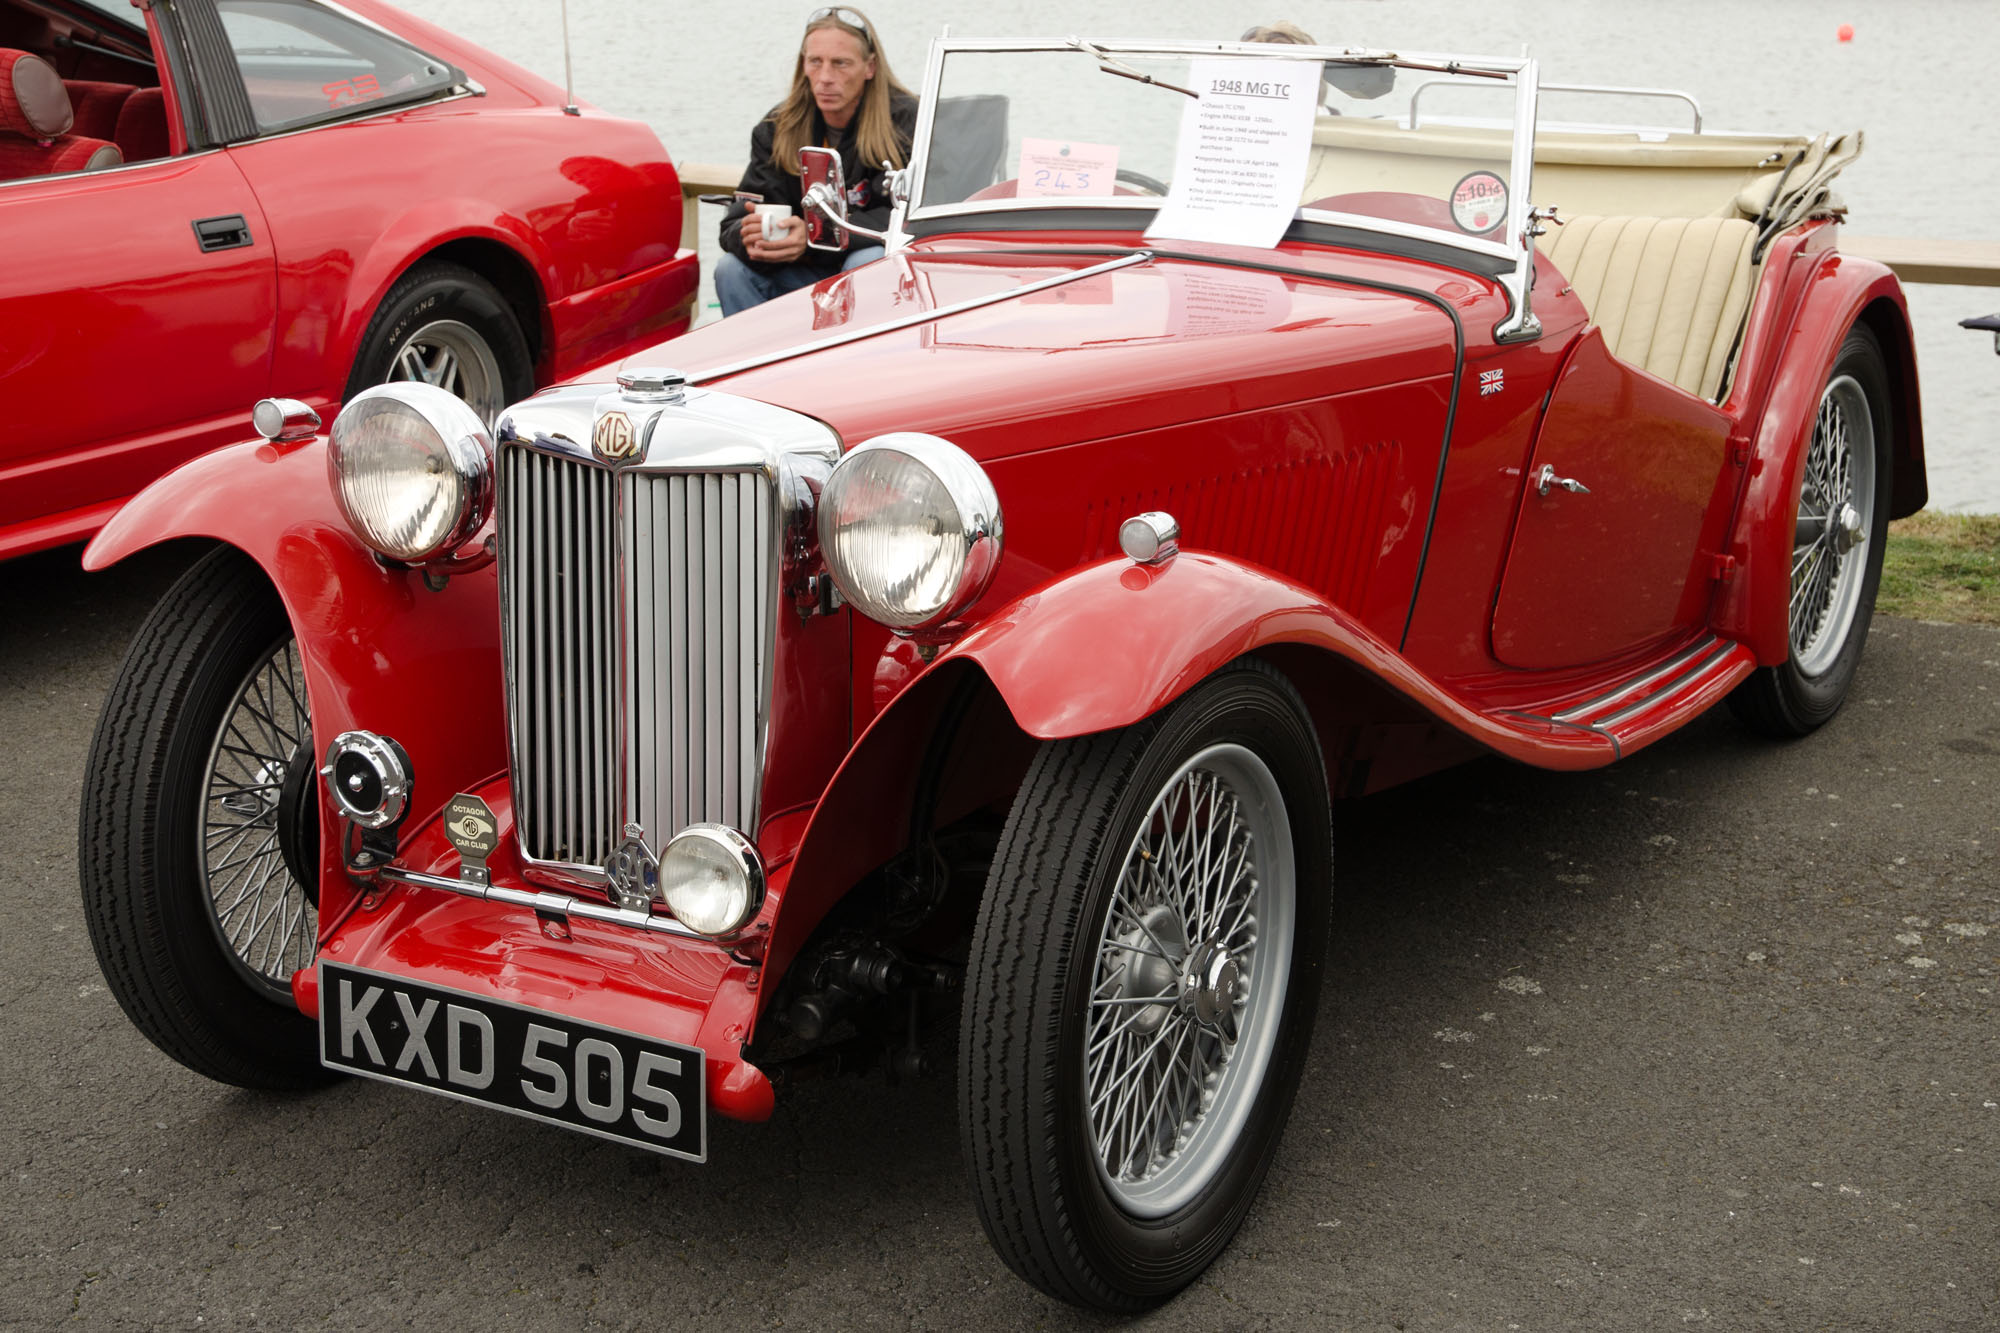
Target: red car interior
<point x="37" y="120"/>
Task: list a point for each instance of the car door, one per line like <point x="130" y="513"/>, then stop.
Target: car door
<point x="136" y="313"/>
<point x="1620" y="519"/>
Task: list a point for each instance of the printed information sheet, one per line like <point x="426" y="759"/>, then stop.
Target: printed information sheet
<point x="1242" y="156"/>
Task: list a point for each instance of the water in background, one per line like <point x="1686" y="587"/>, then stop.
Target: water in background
<point x="1918" y="78"/>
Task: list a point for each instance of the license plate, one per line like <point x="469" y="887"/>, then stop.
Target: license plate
<point x="616" y="1085"/>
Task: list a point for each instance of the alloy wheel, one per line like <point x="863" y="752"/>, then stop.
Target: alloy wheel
<point x="451" y="355"/>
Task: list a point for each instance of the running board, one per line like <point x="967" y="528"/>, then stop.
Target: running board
<point x="1657" y="700"/>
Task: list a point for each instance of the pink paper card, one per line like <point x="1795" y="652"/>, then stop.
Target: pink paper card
<point x="1065" y="166"/>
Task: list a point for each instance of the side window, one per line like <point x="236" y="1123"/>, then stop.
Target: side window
<point x="302" y="63"/>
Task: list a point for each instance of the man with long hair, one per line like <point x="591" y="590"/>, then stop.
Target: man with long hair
<point x="843" y="97"/>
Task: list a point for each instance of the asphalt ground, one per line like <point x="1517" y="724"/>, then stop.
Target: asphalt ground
<point x="1709" y="1038"/>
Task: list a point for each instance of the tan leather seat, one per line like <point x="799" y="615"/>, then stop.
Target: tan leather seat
<point x="1669" y="294"/>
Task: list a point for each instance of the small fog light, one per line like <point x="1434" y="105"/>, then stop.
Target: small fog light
<point x="711" y="879"/>
<point x="369" y="777"/>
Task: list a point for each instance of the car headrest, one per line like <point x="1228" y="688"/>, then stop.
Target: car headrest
<point x="33" y="101"/>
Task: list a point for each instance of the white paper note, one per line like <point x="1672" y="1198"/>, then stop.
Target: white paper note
<point x="1242" y="156"/>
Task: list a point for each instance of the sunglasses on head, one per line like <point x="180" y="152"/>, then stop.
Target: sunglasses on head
<point x="841" y="14"/>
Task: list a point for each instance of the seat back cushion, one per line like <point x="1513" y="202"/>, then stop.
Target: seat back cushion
<point x="35" y="120"/>
<point x="96" y="106"/>
<point x="1668" y="294"/>
<point x="33" y="102"/>
<point x="71" y="152"/>
<point x="142" y="126"/>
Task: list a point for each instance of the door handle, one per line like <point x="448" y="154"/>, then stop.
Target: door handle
<point x="224" y="233"/>
<point x="1547" y="477"/>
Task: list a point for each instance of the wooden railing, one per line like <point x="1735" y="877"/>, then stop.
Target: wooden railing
<point x="1953" y="263"/>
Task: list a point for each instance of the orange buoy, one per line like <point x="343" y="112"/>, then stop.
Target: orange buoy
<point x="1846" y="33"/>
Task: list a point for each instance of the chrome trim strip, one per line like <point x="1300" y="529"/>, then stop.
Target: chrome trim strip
<point x="556" y="904"/>
<point x="1596" y="703"/>
<point x="921" y="317"/>
<point x="972" y="212"/>
<point x="1686" y="679"/>
<point x="1672" y="93"/>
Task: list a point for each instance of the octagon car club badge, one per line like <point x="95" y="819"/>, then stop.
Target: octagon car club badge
<point x="1479" y="203"/>
<point x="613" y="438"/>
<point x="472" y="829"/>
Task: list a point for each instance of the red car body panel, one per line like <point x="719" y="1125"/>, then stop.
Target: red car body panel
<point x="1352" y="505"/>
<point x="125" y="350"/>
<point x="1578" y="588"/>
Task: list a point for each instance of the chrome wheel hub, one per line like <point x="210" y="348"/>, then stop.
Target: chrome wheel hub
<point x="1847" y="533"/>
<point x="1209" y="989"/>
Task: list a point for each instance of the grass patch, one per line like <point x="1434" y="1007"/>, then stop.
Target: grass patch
<point x="1943" y="567"/>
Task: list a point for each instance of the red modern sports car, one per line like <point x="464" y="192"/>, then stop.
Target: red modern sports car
<point x="207" y="202"/>
<point x="981" y="637"/>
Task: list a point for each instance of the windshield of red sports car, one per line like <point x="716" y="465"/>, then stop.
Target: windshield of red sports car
<point x="1403" y="143"/>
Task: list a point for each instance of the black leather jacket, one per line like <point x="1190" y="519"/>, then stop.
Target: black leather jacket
<point x="867" y="194"/>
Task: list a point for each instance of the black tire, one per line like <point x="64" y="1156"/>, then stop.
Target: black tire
<point x="1039" y="1175"/>
<point x="146" y="848"/>
<point x="442" y="306"/>
<point x="1802" y="693"/>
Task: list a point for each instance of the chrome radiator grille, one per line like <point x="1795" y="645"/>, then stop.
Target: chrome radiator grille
<point x="638" y="611"/>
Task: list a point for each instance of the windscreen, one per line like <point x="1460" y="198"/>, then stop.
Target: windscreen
<point x="1066" y="127"/>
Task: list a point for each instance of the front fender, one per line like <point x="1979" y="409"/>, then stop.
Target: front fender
<point x="1843" y="292"/>
<point x="380" y="651"/>
<point x="1117" y="641"/>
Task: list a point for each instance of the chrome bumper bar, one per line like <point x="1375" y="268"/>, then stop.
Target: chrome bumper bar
<point x="546" y="904"/>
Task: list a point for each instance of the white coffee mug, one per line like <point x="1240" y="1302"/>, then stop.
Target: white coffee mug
<point x="776" y="221"/>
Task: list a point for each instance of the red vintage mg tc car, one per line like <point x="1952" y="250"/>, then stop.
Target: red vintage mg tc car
<point x="981" y="636"/>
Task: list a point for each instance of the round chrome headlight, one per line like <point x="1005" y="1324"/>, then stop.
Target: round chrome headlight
<point x="910" y="528"/>
<point x="412" y="467"/>
<point x="711" y="879"/>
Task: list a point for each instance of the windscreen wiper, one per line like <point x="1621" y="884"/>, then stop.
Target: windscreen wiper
<point x="1124" y="71"/>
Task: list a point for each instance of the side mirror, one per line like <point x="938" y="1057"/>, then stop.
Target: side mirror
<point x="824" y="186"/>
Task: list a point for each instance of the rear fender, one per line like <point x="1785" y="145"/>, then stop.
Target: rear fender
<point x="380" y="650"/>
<point x="431" y="225"/>
<point x="1845" y="291"/>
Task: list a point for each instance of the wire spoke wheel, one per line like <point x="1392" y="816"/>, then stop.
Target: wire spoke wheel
<point x="1839" y="530"/>
<point x="1141" y="988"/>
<point x="265" y="918"/>
<point x="200" y="815"/>
<point x="1189" y="980"/>
<point x="1836" y="498"/>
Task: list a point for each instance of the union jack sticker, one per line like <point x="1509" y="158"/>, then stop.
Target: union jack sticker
<point x="1491" y="382"/>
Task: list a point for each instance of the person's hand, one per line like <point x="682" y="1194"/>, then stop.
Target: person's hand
<point x="784" y="250"/>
